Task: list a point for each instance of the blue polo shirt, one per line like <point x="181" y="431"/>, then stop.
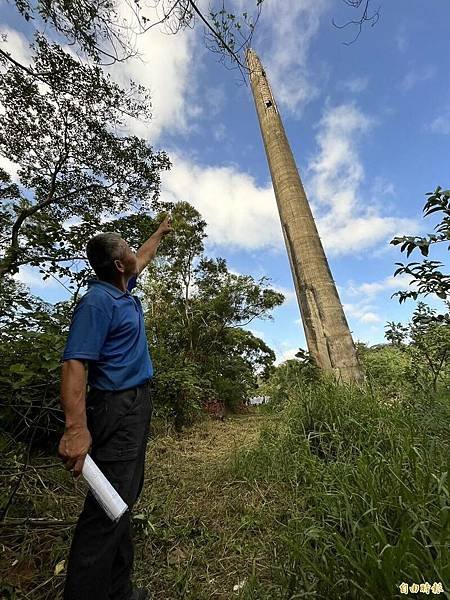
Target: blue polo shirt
<point x="107" y="330"/>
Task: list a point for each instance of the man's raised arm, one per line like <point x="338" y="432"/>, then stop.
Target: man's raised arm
<point x="147" y="251"/>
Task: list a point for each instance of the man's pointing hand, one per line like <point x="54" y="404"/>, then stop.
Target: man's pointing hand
<point x="166" y="226"/>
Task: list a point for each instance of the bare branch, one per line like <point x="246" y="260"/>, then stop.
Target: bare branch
<point x="372" y="18"/>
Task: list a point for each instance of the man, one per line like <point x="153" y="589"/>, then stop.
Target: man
<point x="112" y="422"/>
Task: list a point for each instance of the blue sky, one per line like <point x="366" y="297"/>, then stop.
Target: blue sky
<point x="369" y="125"/>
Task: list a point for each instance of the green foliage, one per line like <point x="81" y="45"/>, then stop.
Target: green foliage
<point x="427" y="276"/>
<point x="76" y="176"/>
<point x="425" y="341"/>
<point x="7" y="592"/>
<point x="429" y="350"/>
<point x="96" y="27"/>
<point x="365" y="495"/>
<point x="287" y="378"/>
<point x="232" y="33"/>
<point x="105" y="32"/>
<point x="395" y="333"/>
<point x="195" y="312"/>
<point x="31" y="343"/>
<point x="417" y="360"/>
<point x="75" y="172"/>
<point x="387" y="368"/>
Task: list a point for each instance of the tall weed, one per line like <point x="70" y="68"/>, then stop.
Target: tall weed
<point x="366" y="490"/>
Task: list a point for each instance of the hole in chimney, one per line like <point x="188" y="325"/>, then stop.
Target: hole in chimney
<point x="269" y="103"/>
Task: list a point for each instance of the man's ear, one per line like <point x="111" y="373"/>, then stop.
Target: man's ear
<point x="119" y="266"/>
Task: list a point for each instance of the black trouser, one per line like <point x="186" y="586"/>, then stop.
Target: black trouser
<point x="101" y="555"/>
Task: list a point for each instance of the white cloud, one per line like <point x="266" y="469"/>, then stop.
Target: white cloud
<point x="441" y="124"/>
<point x="355" y="234"/>
<point x="244" y="215"/>
<point x="370" y="317"/>
<point x="287" y="30"/>
<point x="16" y="44"/>
<point x="220" y="132"/>
<point x="346" y="224"/>
<point x="256" y="333"/>
<point x="362" y="306"/>
<point x="289" y="294"/>
<point x="355" y="85"/>
<point x="285" y="355"/>
<point x="165" y="66"/>
<point x="31" y="277"/>
<point x="10" y="167"/>
<point x="337" y="168"/>
<point x="362" y="312"/>
<point x="238" y="212"/>
<point x="370" y="289"/>
<point x="215" y="99"/>
<point x="416" y="76"/>
<point x="382" y="187"/>
<point x="401" y="40"/>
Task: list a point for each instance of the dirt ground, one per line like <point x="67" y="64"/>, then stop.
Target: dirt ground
<point x="189" y="521"/>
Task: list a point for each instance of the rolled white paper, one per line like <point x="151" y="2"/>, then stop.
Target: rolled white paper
<point x="106" y="495"/>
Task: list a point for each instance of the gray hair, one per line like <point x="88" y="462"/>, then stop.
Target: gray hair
<point x="102" y="250"/>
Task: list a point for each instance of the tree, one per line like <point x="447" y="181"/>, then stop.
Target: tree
<point x="30" y="350"/>
<point x="427" y="275"/>
<point x="75" y="171"/>
<point x="425" y="342"/>
<point x="106" y="29"/>
<point x="415" y="362"/>
<point x="286" y="378"/>
<point x="76" y="175"/>
<point x="430" y="348"/>
<point x="76" y="111"/>
<point x="395" y="333"/>
<point x="428" y="332"/>
<point x="386" y="367"/>
<point x="195" y="313"/>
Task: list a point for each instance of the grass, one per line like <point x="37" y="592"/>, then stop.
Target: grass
<point x="338" y="495"/>
<point x="194" y="517"/>
<point x="341" y="495"/>
<point x="366" y="500"/>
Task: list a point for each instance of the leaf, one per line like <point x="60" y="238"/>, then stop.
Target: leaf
<point x="433" y="210"/>
<point x="411" y="247"/>
<point x="25" y="304"/>
<point x="59" y="568"/>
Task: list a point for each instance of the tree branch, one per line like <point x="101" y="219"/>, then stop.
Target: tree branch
<point x="10" y="263"/>
<point x="217" y="35"/>
<point x="372" y="19"/>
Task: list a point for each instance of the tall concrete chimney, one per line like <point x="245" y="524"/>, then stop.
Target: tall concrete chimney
<point x="327" y="333"/>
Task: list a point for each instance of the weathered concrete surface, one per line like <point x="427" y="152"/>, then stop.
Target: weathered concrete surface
<point x="327" y="333"/>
